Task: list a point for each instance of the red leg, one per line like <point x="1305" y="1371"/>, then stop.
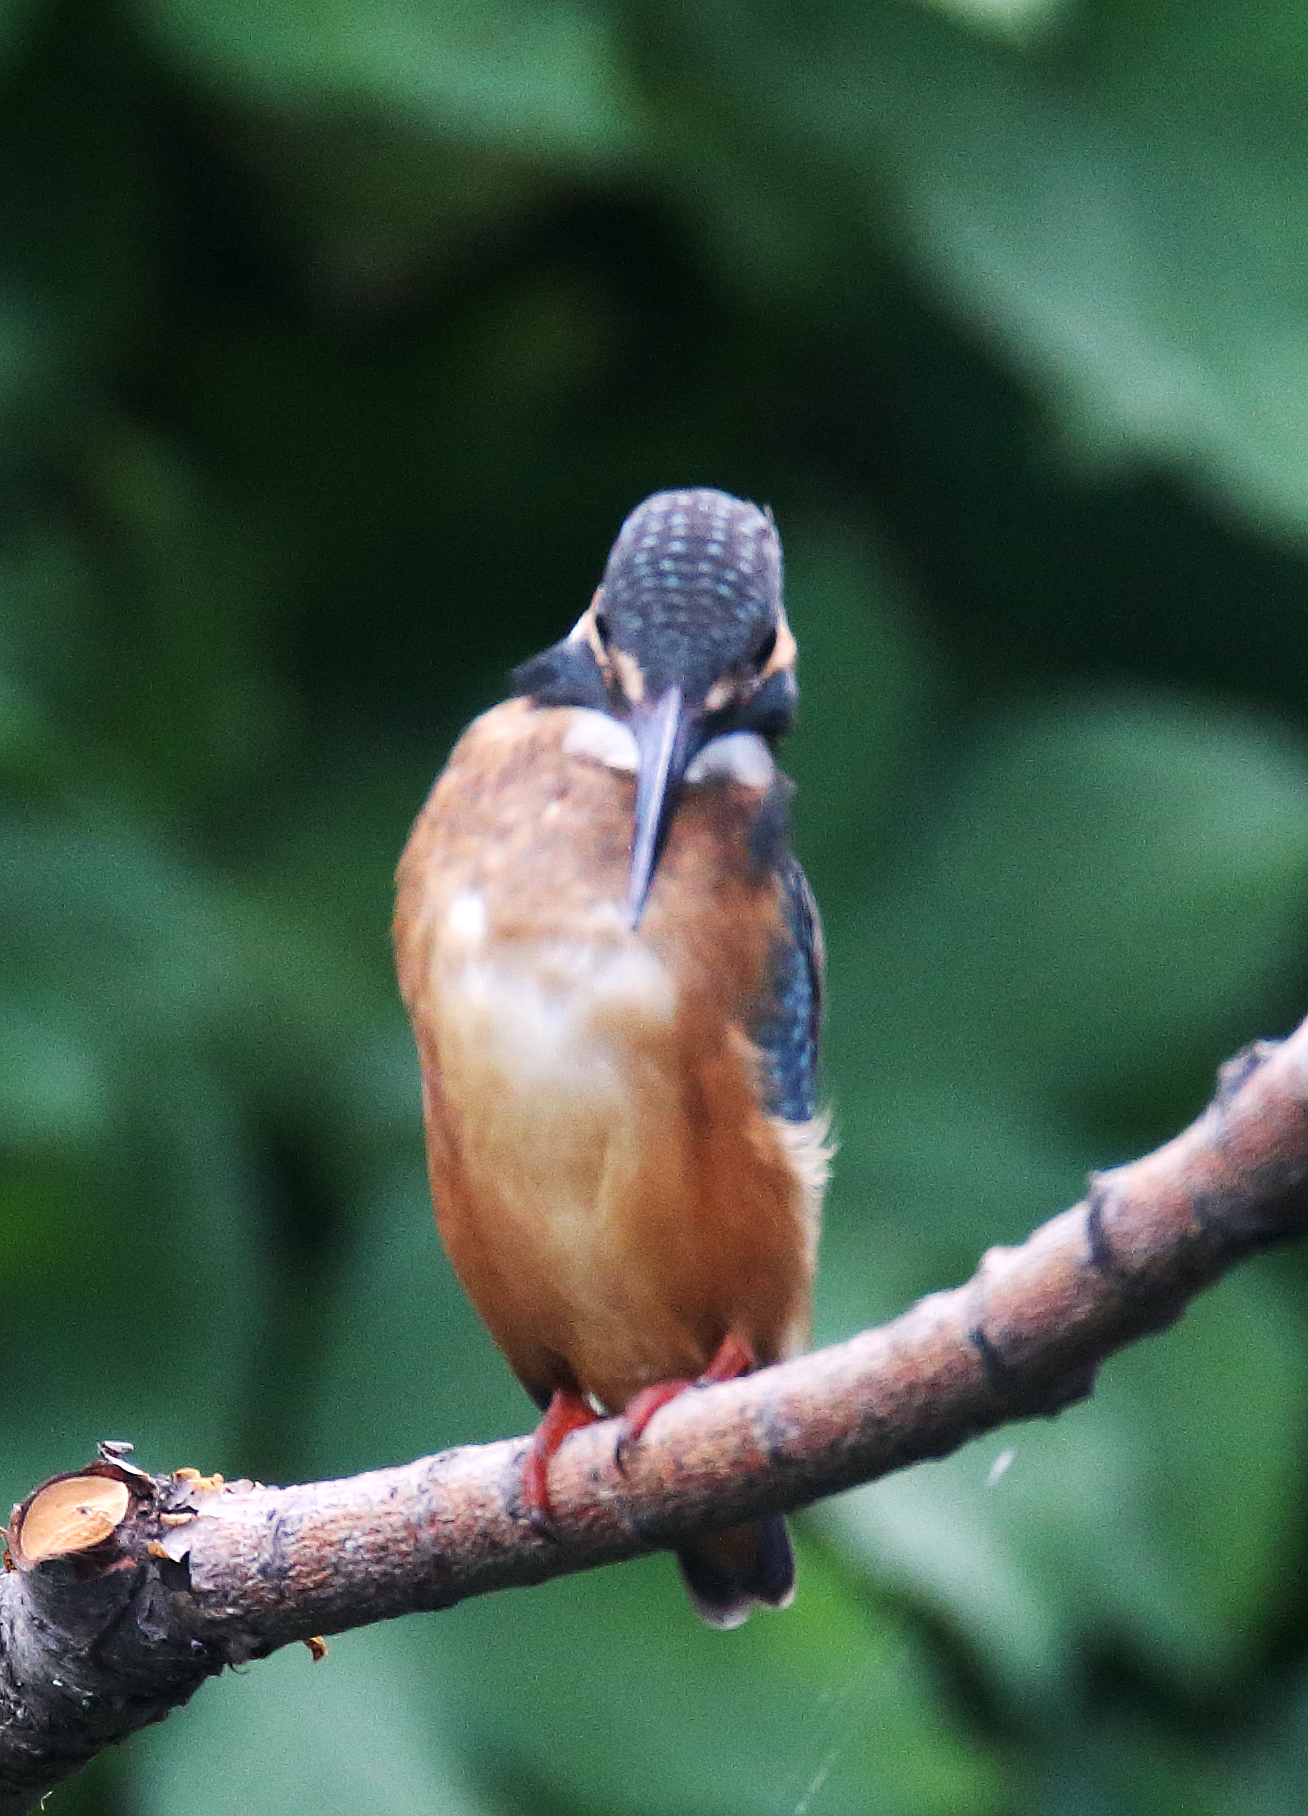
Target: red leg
<point x="734" y="1358"/>
<point x="641" y="1410"/>
<point x="568" y="1411"/>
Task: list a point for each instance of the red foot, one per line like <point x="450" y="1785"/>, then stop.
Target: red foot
<point x="733" y="1359"/>
<point x="639" y="1413"/>
<point x="568" y="1412"/>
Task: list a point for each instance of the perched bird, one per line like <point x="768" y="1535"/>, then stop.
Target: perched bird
<point x="612" y="963"/>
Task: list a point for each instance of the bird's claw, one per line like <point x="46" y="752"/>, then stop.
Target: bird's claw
<point x="638" y="1414"/>
<point x="568" y="1412"/>
<point x="536" y="1495"/>
<point x="542" y="1524"/>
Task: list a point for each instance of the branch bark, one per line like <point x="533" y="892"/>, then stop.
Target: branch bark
<point x="108" y="1627"/>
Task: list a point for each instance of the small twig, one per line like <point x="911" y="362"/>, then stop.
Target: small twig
<point x="105" y="1636"/>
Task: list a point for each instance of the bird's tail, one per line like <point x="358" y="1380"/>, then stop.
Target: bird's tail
<point x="728" y="1572"/>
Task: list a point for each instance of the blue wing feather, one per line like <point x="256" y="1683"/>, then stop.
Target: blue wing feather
<point x="789" y="1033"/>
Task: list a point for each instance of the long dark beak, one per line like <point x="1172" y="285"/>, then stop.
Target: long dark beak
<point x="665" y="738"/>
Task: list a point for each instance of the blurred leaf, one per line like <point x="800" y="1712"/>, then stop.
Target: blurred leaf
<point x="377" y="215"/>
<point x="1264" y="47"/>
<point x="344" y="476"/>
<point x="1121" y="1766"/>
<point x="1261" y="1774"/>
<point x="541" y="83"/>
<point x="77" y="255"/>
<point x="17" y="19"/>
<point x="1020" y="21"/>
<point x="932" y="1168"/>
<point x="126" y="1182"/>
<point x="833" y="1704"/>
<point x="1132" y="260"/>
<point x="1101" y="890"/>
<point x="134" y="977"/>
<point x="51" y="1085"/>
<point x="437" y="1379"/>
<point x="1115" y="875"/>
<point x="186" y="586"/>
<point x="103" y="915"/>
<point x="1109" y="879"/>
<point x="359" y="1731"/>
<point x="867" y="683"/>
<point x="1152" y="1517"/>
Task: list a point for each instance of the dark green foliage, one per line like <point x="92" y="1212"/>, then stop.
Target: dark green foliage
<point x="335" y="342"/>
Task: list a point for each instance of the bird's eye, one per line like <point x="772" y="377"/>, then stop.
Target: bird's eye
<point x="763" y="654"/>
<point x="602" y="629"/>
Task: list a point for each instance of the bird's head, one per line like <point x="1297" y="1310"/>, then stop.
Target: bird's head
<point x="685" y="641"/>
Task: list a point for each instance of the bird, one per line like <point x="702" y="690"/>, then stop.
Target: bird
<point x="612" y="964"/>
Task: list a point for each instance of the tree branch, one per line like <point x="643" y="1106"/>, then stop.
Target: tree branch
<point x="120" y="1604"/>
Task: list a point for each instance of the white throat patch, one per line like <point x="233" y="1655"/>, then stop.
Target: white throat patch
<point x="739" y="756"/>
<point x="595" y="734"/>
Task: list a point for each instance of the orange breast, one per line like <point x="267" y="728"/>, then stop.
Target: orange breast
<point x="610" y="1191"/>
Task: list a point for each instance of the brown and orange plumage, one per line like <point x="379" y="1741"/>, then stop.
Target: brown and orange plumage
<point x="617" y="1050"/>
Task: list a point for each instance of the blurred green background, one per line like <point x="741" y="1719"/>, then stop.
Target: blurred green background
<point x="336" y="340"/>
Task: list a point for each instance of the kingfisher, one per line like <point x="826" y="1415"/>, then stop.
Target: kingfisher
<point x="612" y="963"/>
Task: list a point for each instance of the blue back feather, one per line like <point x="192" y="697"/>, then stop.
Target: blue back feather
<point x="789" y="1032"/>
